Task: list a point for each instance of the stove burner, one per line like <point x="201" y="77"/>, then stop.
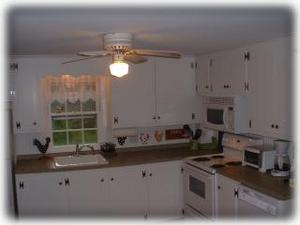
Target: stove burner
<point x="234" y="163"/>
<point x="218" y="157"/>
<point x="215" y="166"/>
<point x="201" y="159"/>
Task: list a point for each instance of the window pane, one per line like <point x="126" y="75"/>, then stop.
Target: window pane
<point x="90" y="136"/>
<point x="74" y="123"/>
<point x="75" y="137"/>
<point x="59" y="138"/>
<point x="89" y="105"/>
<point x="57" y="107"/>
<point x="58" y="124"/>
<point x="90" y="122"/>
<point x="73" y="107"/>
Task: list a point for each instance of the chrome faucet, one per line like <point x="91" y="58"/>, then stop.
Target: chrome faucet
<point x="79" y="148"/>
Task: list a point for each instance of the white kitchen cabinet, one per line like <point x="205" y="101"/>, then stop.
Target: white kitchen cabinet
<point x="147" y="190"/>
<point x="227" y="197"/>
<point x="175" y="88"/>
<point x="87" y="192"/>
<point x="228" y="73"/>
<point x="126" y="191"/>
<point x="133" y="97"/>
<point x="221" y="73"/>
<point x="269" y="78"/>
<point x="165" y="189"/>
<point x="202" y="74"/>
<point x="158" y="92"/>
<point x="26" y="102"/>
<point x="41" y="194"/>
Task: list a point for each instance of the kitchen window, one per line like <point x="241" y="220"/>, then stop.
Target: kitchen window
<point x="73" y="110"/>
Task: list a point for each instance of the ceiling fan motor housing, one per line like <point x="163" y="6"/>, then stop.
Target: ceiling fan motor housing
<point x="118" y="42"/>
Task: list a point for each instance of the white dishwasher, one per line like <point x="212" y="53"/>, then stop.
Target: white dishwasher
<point x="255" y="204"/>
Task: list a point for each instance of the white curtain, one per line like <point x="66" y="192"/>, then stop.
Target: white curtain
<point x="69" y="88"/>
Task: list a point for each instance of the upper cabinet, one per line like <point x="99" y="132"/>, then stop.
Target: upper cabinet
<point x="26" y="102"/>
<point x="158" y="92"/>
<point x="133" y="97"/>
<point x="262" y="72"/>
<point x="175" y="89"/>
<point x="269" y="82"/>
<point x="221" y="73"/>
<point x="25" y="73"/>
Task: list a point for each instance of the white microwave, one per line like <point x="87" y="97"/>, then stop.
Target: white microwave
<point x="228" y="114"/>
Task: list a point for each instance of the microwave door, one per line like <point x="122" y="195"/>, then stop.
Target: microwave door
<point x="215" y="116"/>
<point x="225" y="118"/>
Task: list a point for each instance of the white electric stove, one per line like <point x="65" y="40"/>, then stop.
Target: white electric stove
<point x="199" y="173"/>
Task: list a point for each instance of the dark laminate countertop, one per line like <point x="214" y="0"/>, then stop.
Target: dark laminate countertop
<point x="124" y="157"/>
<point x="250" y="177"/>
<point x="265" y="183"/>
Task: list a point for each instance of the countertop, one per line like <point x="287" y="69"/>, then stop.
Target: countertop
<point x="276" y="187"/>
<point x="262" y="182"/>
<point x="123" y="157"/>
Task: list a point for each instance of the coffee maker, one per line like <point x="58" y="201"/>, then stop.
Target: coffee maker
<point x="282" y="163"/>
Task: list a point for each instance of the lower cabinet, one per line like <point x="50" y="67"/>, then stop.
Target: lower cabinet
<point x="147" y="190"/>
<point x="227" y="197"/>
<point x="165" y="189"/>
<point x="42" y="194"/>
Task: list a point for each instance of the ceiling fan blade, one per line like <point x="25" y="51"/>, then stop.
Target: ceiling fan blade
<point x="95" y="53"/>
<point x="80" y="59"/>
<point x="135" y="59"/>
<point x="156" y="53"/>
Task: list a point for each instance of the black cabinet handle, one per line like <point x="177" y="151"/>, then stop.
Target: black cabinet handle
<point x="143" y="173"/>
<point x="21" y="185"/>
<point x="60" y="183"/>
<point x="206" y="86"/>
<point x="150" y="174"/>
<point x="67" y="182"/>
<point x="153" y="117"/>
<point x="219" y="187"/>
<point x="34" y="123"/>
<point x="116" y="120"/>
<point x="272" y="125"/>
<point x="102" y="180"/>
<point x="112" y="179"/>
<point x="276" y="126"/>
<point x="158" y="117"/>
<point x="18" y="125"/>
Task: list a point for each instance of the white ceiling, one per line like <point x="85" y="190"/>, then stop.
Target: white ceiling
<point x="189" y="30"/>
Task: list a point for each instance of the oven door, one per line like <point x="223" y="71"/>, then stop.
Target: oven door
<point x="199" y="190"/>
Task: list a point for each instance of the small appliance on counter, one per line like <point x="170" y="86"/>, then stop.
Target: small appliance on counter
<point x="282" y="164"/>
<point x="260" y="157"/>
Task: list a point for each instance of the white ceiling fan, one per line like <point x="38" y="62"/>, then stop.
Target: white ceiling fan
<point x="119" y="46"/>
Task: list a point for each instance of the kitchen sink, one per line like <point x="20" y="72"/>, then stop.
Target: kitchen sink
<point x="79" y="160"/>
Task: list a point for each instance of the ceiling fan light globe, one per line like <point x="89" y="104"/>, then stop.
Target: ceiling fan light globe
<point x="119" y="69"/>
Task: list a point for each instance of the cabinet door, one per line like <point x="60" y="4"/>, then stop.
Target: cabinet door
<point x="41" y="194"/>
<point x="88" y="193"/>
<point x="260" y="69"/>
<point x="176" y="101"/>
<point x="227" y="73"/>
<point x="282" y="89"/>
<point x="165" y="189"/>
<point x="202" y="74"/>
<point x="127" y="191"/>
<point x="226" y="196"/>
<point x="26" y="116"/>
<point x="269" y="72"/>
<point x="133" y="97"/>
